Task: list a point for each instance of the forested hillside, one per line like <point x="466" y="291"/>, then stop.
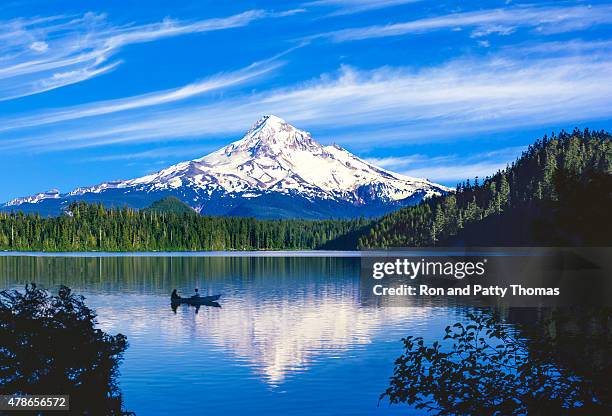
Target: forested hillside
<point x="85" y="227"/>
<point x="170" y="204"/>
<point x="558" y="192"/>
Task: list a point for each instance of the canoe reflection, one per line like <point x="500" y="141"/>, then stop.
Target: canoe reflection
<point x="211" y="304"/>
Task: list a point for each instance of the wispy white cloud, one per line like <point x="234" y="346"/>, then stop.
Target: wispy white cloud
<point x="355" y="6"/>
<point x="397" y="162"/>
<point x="502" y="21"/>
<point x="213" y="83"/>
<point x="38" y="55"/>
<point x="571" y="46"/>
<point x="453" y="168"/>
<point x="39" y="46"/>
<point x="385" y="105"/>
<point x="455" y="171"/>
<point x="160" y="152"/>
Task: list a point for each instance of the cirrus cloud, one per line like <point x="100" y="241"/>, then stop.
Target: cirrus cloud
<point x="390" y="105"/>
<point x="42" y="54"/>
<point x="503" y="21"/>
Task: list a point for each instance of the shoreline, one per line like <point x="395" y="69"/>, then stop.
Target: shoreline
<point x="237" y="253"/>
<point x="379" y="253"/>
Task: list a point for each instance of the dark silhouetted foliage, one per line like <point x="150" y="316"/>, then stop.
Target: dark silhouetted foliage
<point x="484" y="368"/>
<point x="49" y="344"/>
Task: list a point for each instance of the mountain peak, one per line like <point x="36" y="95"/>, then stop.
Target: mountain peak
<point x="271" y="135"/>
<point x="271" y="119"/>
<point x="268" y="121"/>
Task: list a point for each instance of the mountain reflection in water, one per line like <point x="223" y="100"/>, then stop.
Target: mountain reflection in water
<point x="291" y="334"/>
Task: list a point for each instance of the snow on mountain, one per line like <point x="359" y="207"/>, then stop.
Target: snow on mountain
<point x="273" y="158"/>
<point x="33" y="199"/>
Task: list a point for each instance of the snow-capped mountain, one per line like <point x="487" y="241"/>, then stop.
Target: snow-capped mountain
<point x="275" y="170"/>
<point x="33" y="199"/>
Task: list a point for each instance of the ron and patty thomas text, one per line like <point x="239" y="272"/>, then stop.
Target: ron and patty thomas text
<point x="450" y="269"/>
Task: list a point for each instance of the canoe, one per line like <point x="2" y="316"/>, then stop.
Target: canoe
<point x="196" y="300"/>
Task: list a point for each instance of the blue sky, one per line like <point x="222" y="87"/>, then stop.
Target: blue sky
<point x="95" y="91"/>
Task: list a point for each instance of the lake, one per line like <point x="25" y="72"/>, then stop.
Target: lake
<point x="291" y="335"/>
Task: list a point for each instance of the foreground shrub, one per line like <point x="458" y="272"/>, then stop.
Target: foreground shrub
<point x="49" y="344"/>
<point x="483" y="368"/>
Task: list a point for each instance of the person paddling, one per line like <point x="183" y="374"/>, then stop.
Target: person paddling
<point x="197" y="294"/>
<point x="174" y="295"/>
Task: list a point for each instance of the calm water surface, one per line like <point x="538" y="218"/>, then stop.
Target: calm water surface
<point x="291" y="337"/>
